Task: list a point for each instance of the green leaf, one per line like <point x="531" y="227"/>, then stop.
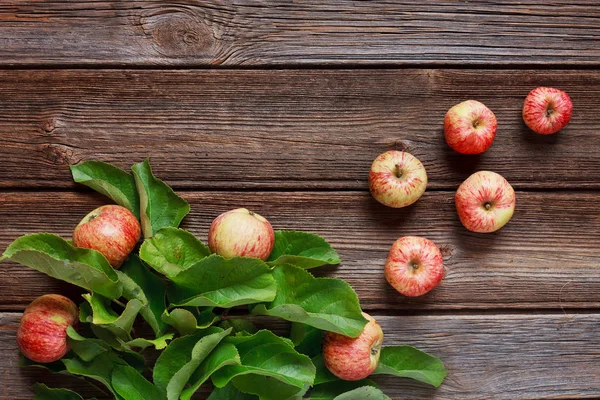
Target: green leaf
<point x="230" y="392"/>
<point x="180" y="359"/>
<point x="333" y="390"/>
<point x="323" y="375"/>
<point x="265" y="370"/>
<point x="99" y="369"/>
<point x="159" y="343"/>
<point x="408" y="362"/>
<point x="57" y="258"/>
<point x="224" y="354"/>
<point x="103" y="315"/>
<point x="362" y="393"/>
<point x="140" y="283"/>
<point x="43" y="392"/>
<point x="109" y="180"/>
<point x="239" y="325"/>
<point x="87" y="349"/>
<point x="186" y="323"/>
<point x="307" y="339"/>
<point x="329" y="304"/>
<point x="159" y="205"/>
<point x="131" y="385"/>
<point x="305" y="250"/>
<point x="217" y="282"/>
<point x="172" y="250"/>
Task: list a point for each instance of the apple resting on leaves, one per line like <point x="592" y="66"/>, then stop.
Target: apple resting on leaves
<point x="397" y="179"/>
<point x="112" y="230"/>
<point x="353" y="359"/>
<point x="485" y="202"/>
<point x="42" y="334"/>
<point x="414" y="266"/>
<point x="241" y="233"/>
<point x="547" y="110"/>
<point x="470" y="127"/>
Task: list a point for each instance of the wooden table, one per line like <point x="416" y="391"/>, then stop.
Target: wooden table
<point x="281" y="106"/>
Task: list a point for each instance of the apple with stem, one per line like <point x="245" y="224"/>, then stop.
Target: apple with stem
<point x="42" y="334"/>
<point x="353" y="359"/>
<point x="397" y="179"/>
<point x="241" y="233"/>
<point x="485" y="202"/>
<point x="112" y="230"/>
<point x="414" y="266"/>
<point x="470" y="127"/>
<point x="547" y="110"/>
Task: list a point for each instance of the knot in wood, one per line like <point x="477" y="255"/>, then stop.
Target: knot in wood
<point x="48" y="125"/>
<point x="58" y="154"/>
<point x="178" y="34"/>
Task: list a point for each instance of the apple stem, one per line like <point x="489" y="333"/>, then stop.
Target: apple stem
<point x="475" y="123"/>
<point x="487" y="206"/>
<point x="398" y="171"/>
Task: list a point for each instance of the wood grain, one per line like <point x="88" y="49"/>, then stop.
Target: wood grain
<point x="546" y="257"/>
<point x="508" y="356"/>
<point x="273" y="33"/>
<point x="301" y="129"/>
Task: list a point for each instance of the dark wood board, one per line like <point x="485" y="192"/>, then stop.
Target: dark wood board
<point x="278" y="129"/>
<point x="546" y="257"/>
<point x="315" y="32"/>
<point x="488" y="356"/>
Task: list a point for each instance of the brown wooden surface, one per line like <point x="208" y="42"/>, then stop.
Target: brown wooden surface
<point x="285" y="129"/>
<point x="517" y="316"/>
<point x="541" y="259"/>
<point x="506" y="356"/>
<point x="315" y="32"/>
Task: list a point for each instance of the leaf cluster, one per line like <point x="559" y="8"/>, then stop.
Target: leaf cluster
<point x="184" y="294"/>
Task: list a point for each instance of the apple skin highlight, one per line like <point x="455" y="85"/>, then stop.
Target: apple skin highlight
<point x="414" y="266"/>
<point x="397" y="179"/>
<point x="485" y="202"/>
<point x="470" y="127"/>
<point x="547" y="110"/>
<point x="353" y="359"/>
<point x="42" y="334"/>
<point x="112" y="230"/>
<point x="241" y="233"/>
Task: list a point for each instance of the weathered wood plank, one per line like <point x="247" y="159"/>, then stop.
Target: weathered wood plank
<point x="238" y="32"/>
<point x="522" y="356"/>
<point x="546" y="257"/>
<point x="285" y="129"/>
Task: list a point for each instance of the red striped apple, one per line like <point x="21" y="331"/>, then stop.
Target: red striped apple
<point x="547" y="110"/>
<point x="470" y="127"/>
<point x="485" y="202"/>
<point x="397" y="179"/>
<point x="112" y="230"/>
<point x="42" y="334"/>
<point x="241" y="233"/>
<point x="353" y="359"/>
<point x="414" y="266"/>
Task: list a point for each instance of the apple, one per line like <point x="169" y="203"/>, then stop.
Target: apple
<point x="241" y="233"/>
<point x="547" y="110"/>
<point x="353" y="359"/>
<point x="397" y="179"/>
<point x="485" y="202"/>
<point x="414" y="266"/>
<point x="112" y="230"/>
<point x="42" y="334"/>
<point x="470" y="127"/>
